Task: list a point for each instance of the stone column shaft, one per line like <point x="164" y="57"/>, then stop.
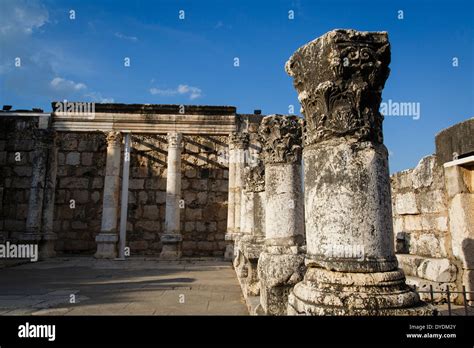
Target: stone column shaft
<point x="280" y="265"/>
<point x="237" y="144"/>
<point x="48" y="236"/>
<point x="172" y="238"/>
<point x="238" y="187"/>
<point x="252" y="229"/>
<point x="108" y="236"/>
<point x="35" y="202"/>
<point x="231" y="194"/>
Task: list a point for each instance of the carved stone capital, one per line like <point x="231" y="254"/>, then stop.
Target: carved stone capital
<point x="255" y="177"/>
<point x="339" y="78"/>
<point x="174" y="139"/>
<point x="238" y="140"/>
<point x="113" y="138"/>
<point x="281" y="138"/>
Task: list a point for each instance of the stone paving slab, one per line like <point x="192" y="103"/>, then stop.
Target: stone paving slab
<point x="137" y="286"/>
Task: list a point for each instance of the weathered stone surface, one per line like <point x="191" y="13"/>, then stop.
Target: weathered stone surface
<point x="281" y="263"/>
<point x="438" y="223"/>
<point x="432" y="201"/>
<point x="339" y="78"/>
<point x="107" y="239"/>
<point x="422" y="286"/>
<point x="468" y="281"/>
<point x="413" y="222"/>
<point x="456" y="182"/>
<point x="424" y="173"/>
<point x="172" y="238"/>
<point x="455" y="140"/>
<point x="348" y="191"/>
<point x="405" y="204"/>
<point x="136" y="184"/>
<point x="73" y="158"/>
<point x="352" y="269"/>
<point x="461" y="225"/>
<point x="426" y="244"/>
<point x="436" y="270"/>
<point x="341" y="293"/>
<point x="87" y="158"/>
<point x="282" y="138"/>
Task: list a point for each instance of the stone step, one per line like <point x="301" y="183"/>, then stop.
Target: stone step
<point x="440" y="270"/>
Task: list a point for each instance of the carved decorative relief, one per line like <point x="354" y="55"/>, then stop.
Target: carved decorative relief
<point x="174" y="139"/>
<point x="281" y="137"/>
<point x="255" y="177"/>
<point x="238" y="140"/>
<point x="339" y="78"/>
<point x="113" y="138"/>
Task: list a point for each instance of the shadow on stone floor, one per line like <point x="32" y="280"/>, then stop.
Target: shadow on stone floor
<point x="120" y="287"/>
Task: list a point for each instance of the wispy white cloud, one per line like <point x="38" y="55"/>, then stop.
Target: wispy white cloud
<point x="21" y="18"/>
<point x="45" y="69"/>
<point x="191" y="91"/>
<point x="63" y="88"/>
<point x="61" y="84"/>
<point x="126" y="37"/>
<point x="97" y="97"/>
<point x="221" y="25"/>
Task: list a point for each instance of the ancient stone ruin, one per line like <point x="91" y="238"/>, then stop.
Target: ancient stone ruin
<point x="304" y="209"/>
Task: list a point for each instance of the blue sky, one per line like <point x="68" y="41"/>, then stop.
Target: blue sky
<point x="191" y="61"/>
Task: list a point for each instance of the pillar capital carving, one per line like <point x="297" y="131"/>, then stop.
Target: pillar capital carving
<point x="255" y="178"/>
<point x="281" y="138"/>
<point x="238" y="140"/>
<point x="339" y="78"/>
<point x="113" y="138"/>
<point x="174" y="139"/>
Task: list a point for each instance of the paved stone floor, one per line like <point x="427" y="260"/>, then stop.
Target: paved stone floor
<point x="137" y="286"/>
<point x="132" y="287"/>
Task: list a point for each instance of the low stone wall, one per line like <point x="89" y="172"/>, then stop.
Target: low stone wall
<point x="421" y="227"/>
<point x="420" y="210"/>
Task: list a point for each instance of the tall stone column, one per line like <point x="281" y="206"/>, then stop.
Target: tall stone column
<point x="253" y="229"/>
<point x="240" y="143"/>
<point x="48" y="236"/>
<point x="229" y="252"/>
<point x="108" y="236"/>
<point x="172" y="238"/>
<point x="237" y="145"/>
<point x="352" y="269"/>
<point x="35" y="203"/>
<point x="280" y="265"/>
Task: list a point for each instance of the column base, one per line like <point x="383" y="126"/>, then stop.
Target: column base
<point x="324" y="292"/>
<point x="246" y="266"/>
<point x="106" y="246"/>
<point x="229" y="252"/>
<point x="279" y="269"/>
<point x="46" y="246"/>
<point x="32" y="237"/>
<point x="171" y="246"/>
